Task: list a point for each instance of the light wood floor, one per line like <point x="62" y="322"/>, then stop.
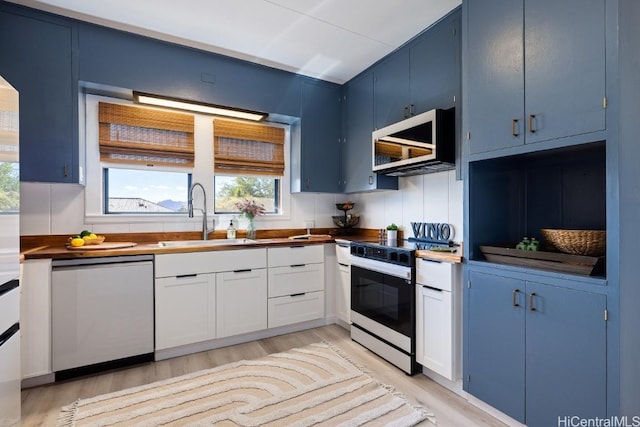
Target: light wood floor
<point x="40" y="405"/>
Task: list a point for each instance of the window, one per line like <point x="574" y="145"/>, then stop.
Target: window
<point x="148" y="138"/>
<point x="143" y="191"/>
<point x="248" y="163"/>
<point x="136" y="153"/>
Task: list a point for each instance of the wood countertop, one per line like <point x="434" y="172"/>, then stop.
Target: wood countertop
<point x="61" y="252"/>
<point x="454" y="258"/>
<point x="53" y="247"/>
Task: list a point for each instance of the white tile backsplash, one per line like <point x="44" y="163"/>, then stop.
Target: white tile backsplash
<point x="433" y="197"/>
<point x="59" y="209"/>
<point x="35" y="208"/>
<point x="67" y="208"/>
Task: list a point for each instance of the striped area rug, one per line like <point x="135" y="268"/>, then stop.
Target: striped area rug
<point x="309" y="386"/>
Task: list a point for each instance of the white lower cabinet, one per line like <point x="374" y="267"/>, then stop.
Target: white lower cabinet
<point x="35" y="318"/>
<point x="296" y="284"/>
<point x="203" y="296"/>
<point x="434" y="349"/>
<point x="343" y="299"/>
<point x="185" y="309"/>
<point x="241" y="302"/>
<point x="438" y="318"/>
<point x="295" y="308"/>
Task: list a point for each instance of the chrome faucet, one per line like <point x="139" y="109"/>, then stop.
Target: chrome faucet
<point x="205" y="230"/>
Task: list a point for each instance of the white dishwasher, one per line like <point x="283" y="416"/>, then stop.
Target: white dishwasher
<point x="102" y="313"/>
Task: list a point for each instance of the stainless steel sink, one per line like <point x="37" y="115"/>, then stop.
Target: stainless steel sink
<point x="200" y="243"/>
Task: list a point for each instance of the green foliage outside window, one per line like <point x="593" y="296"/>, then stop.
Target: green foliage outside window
<point x="231" y="189"/>
<point x="9" y="188"/>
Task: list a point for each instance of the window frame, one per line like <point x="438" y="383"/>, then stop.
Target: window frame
<point x="202" y="171"/>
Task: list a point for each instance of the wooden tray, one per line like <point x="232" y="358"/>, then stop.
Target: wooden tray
<point x="554" y="261"/>
<point x="102" y="246"/>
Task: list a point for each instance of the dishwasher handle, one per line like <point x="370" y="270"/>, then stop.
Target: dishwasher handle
<point x="81" y="262"/>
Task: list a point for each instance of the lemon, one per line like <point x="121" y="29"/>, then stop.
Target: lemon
<point x="77" y="241"/>
<point x="93" y="236"/>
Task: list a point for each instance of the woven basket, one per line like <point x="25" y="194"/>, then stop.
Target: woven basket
<point x="577" y="242"/>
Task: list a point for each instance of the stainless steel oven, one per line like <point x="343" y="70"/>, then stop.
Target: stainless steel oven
<point x="383" y="304"/>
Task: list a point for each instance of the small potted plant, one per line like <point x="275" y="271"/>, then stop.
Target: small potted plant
<point x="392" y="232"/>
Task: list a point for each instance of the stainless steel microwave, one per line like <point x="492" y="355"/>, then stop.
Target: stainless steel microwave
<point x="421" y="144"/>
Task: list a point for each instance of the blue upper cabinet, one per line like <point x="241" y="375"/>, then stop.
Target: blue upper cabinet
<point x="391" y="89"/>
<point x="317" y="166"/>
<point x="357" y="161"/>
<point x="39" y="59"/>
<point x="535" y="71"/>
<point x="436" y="66"/>
<point x="422" y="75"/>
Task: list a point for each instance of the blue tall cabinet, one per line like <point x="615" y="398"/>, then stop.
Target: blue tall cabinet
<point x="39" y="57"/>
<point x="540" y="66"/>
<point x="549" y="141"/>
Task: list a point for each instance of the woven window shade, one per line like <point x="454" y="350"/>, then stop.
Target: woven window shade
<point x="137" y="135"/>
<point x="8" y="125"/>
<point x="247" y="148"/>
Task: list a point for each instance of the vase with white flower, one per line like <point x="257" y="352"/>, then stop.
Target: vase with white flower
<point x="250" y="209"/>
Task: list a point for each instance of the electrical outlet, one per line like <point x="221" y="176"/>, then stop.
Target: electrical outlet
<point x="309" y="223"/>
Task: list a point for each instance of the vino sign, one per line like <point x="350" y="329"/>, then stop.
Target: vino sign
<point x="431" y="231"/>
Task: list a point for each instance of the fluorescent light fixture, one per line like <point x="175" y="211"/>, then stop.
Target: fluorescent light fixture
<point x="198" y="107"/>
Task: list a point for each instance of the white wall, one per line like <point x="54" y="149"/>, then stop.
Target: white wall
<point x="60" y="209"/>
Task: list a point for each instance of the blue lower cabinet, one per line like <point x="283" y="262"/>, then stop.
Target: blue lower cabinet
<point x="535" y="351"/>
<point x="566" y="355"/>
<point x="496" y="342"/>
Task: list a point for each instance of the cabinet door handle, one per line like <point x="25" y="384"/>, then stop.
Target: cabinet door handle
<point x="412" y="110"/>
<point x="246" y="270"/>
<point x="531" y="306"/>
<point x="184" y="276"/>
<point x="435" y="261"/>
<point x="515" y="297"/>
<point x="298" y="295"/>
<point x="531" y="118"/>
<point x="344" y="265"/>
<point x="406" y="112"/>
<point x="514" y="124"/>
<point x="297" y="265"/>
<point x="432" y="288"/>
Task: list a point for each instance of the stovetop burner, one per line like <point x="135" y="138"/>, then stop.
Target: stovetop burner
<point x="403" y="253"/>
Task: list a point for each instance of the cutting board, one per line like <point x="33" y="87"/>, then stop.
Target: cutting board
<point x="102" y="246"/>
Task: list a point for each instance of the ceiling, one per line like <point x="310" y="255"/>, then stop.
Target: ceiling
<point x="332" y="40"/>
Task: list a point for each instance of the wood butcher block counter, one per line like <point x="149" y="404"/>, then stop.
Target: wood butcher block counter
<point x="54" y="247"/>
<point x="454" y="257"/>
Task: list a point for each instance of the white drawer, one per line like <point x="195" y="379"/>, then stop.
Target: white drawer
<point x="168" y="265"/>
<point x="295" y="280"/>
<point x="436" y="274"/>
<point x="343" y="254"/>
<point x="294" y="255"/>
<point x="295" y="309"/>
